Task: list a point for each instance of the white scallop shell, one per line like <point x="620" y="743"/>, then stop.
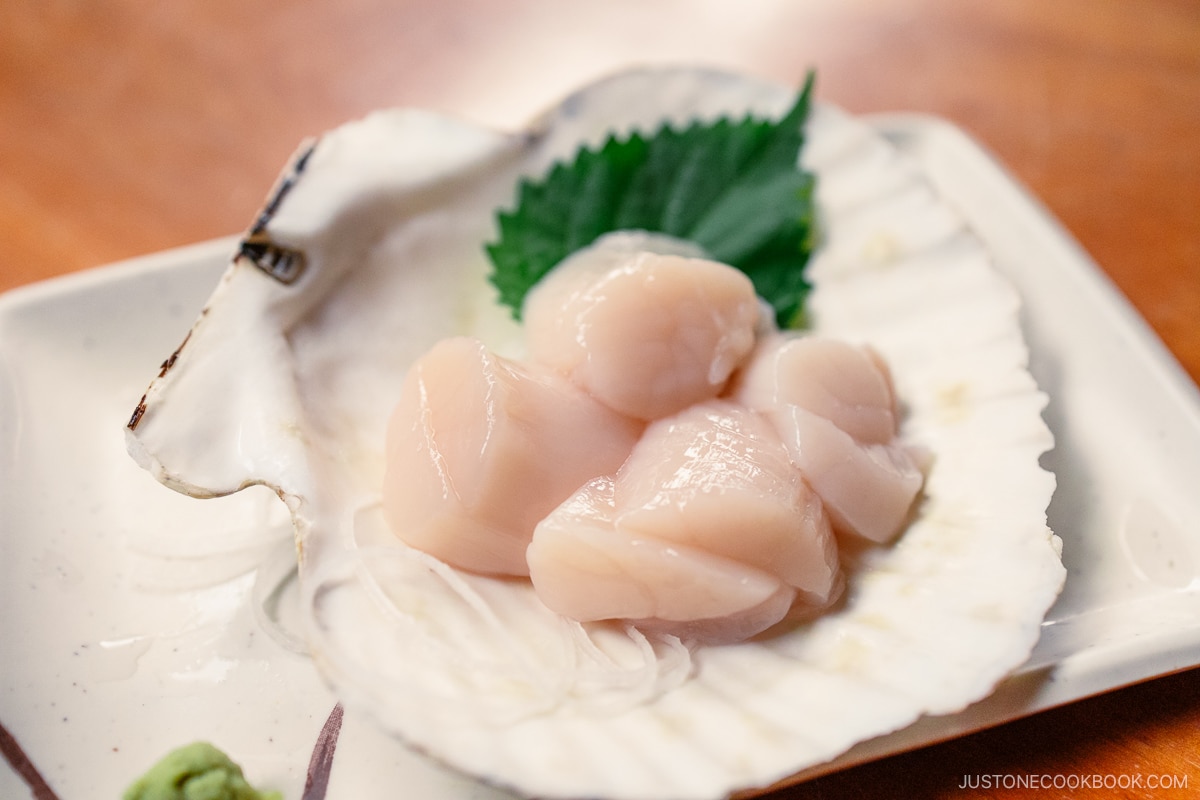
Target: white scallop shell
<point x="290" y="385"/>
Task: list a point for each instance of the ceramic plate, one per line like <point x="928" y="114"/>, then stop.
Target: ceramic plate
<point x="119" y="643"/>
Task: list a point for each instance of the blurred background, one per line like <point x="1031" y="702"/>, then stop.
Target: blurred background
<point x="128" y="127"/>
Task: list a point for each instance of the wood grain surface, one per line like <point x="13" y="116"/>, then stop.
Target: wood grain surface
<point x="130" y="127"/>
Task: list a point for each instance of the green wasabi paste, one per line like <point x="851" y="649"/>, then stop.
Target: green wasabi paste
<point x="197" y="771"/>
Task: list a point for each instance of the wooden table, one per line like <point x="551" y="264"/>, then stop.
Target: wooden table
<point x="130" y="127"/>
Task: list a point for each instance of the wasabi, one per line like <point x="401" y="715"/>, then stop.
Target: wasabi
<point x="197" y="771"/>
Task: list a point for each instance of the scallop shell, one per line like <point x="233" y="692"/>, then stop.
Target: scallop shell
<point x="369" y="251"/>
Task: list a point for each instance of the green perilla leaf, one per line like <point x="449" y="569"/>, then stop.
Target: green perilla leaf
<point x="733" y="187"/>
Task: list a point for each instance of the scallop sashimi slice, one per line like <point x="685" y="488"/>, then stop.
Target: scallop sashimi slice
<point x="716" y="477"/>
<point x="867" y="489"/>
<point x="584" y="566"/>
<point x="846" y="383"/>
<point x="646" y="333"/>
<point x="480" y="448"/>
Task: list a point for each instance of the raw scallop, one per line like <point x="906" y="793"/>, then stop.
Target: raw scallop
<point x="867" y="489"/>
<point x="585" y="567"/>
<point x="706" y="519"/>
<point x="845" y="383"/>
<point x="290" y="384"/>
<point x="717" y="477"/>
<point x="646" y="333"/>
<point x="480" y="448"/>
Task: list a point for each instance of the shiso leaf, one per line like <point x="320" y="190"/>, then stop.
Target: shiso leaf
<point x="734" y="188"/>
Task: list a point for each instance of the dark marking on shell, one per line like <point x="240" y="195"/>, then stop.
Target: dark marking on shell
<point x="284" y="264"/>
<point x="138" y="413"/>
<point x="166" y="366"/>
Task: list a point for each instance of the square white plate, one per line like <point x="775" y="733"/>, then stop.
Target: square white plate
<point x="117" y="645"/>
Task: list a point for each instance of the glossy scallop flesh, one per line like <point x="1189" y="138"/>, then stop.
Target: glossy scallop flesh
<point x="288" y="379"/>
<point x="707" y="523"/>
<point x="481" y="448"/>
<point x="647" y="335"/>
